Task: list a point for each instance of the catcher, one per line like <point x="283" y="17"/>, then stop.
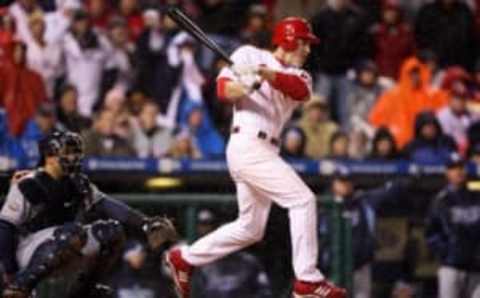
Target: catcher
<point x="54" y="217"/>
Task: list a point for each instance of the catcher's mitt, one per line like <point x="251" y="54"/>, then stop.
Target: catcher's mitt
<point x="159" y="230"/>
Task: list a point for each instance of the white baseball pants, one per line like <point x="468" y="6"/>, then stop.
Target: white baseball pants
<point x="458" y="283"/>
<point x="262" y="177"/>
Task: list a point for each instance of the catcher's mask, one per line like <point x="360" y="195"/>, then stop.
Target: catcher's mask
<point x="67" y="146"/>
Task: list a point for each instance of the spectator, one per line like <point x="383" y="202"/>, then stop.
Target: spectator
<point x="183" y="146"/>
<point x="21" y="89"/>
<point x="205" y="136"/>
<point x="100" y="13"/>
<point x="155" y="77"/>
<point x="214" y="13"/>
<point x="392" y="30"/>
<point x="86" y="53"/>
<point x="398" y="107"/>
<point x="220" y="112"/>
<point x="474" y="105"/>
<point x="59" y="21"/>
<point x="130" y="10"/>
<point x="101" y="140"/>
<point x="455" y="118"/>
<point x="361" y="208"/>
<point x="339" y="146"/>
<point x="241" y="271"/>
<point x="68" y="114"/>
<point x="318" y="128"/>
<point x="362" y="95"/>
<point x="358" y="146"/>
<point x="149" y="139"/>
<point x="120" y="68"/>
<point x="43" y="124"/>
<point x="285" y="8"/>
<point x="20" y="11"/>
<point x="452" y="223"/>
<point x="256" y="31"/>
<point x="430" y="59"/>
<point x="474" y="154"/>
<point x="447" y="28"/>
<point x="42" y="56"/>
<point x="430" y="144"/>
<point x="135" y="101"/>
<point x="384" y="147"/>
<point x="7" y="32"/>
<point x="344" y="26"/>
<point x="115" y="102"/>
<point x="293" y="143"/>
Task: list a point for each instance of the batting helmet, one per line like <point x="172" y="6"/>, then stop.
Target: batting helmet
<point x="288" y="31"/>
<point x="68" y="146"/>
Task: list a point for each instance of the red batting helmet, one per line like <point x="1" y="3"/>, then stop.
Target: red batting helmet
<point x="289" y="30"/>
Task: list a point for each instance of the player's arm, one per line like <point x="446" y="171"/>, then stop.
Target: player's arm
<point x="156" y="230"/>
<point x="12" y="215"/>
<point x="296" y="86"/>
<point x="229" y="90"/>
<point x="435" y="234"/>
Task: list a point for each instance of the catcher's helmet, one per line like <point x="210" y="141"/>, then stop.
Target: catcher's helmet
<point x="67" y="146"/>
<point x="288" y="31"/>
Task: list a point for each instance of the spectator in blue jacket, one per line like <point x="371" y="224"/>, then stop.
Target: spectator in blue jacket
<point x="452" y="230"/>
<point x="430" y="145"/>
<point x="360" y="207"/>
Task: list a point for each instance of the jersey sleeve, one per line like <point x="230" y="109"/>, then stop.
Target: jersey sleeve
<point x="16" y="208"/>
<point x="295" y="83"/>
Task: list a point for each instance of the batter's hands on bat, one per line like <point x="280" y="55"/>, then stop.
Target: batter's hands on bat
<point x="236" y="90"/>
<point x="266" y="73"/>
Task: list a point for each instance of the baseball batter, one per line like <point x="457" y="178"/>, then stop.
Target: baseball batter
<point x="260" y="175"/>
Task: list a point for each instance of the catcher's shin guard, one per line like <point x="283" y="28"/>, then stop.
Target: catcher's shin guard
<point x="110" y="235"/>
<point x="50" y="256"/>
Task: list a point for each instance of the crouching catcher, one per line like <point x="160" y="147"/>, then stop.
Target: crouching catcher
<point x="54" y="218"/>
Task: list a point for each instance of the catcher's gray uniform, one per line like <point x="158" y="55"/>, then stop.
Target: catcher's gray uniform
<point x="17" y="210"/>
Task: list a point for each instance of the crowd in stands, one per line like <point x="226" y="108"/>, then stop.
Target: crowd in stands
<point x="392" y="79"/>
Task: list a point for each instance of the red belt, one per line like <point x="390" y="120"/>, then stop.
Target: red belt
<point x="261" y="135"/>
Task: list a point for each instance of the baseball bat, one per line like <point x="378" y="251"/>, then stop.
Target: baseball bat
<point x="188" y="25"/>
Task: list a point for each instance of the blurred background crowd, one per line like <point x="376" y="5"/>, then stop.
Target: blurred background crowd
<point x="393" y="79"/>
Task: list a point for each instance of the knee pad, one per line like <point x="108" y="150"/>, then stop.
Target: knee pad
<point x="71" y="236"/>
<point x="53" y="254"/>
<point x="108" y="232"/>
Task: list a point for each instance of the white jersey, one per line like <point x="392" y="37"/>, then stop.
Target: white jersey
<point x="267" y="109"/>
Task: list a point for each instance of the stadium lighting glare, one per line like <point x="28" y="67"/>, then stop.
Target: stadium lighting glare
<point x="163" y="182"/>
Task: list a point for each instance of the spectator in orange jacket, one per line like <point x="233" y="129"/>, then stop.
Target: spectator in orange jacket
<point x="397" y="108"/>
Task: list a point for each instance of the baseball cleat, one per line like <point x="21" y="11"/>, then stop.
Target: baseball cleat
<point x="322" y="289"/>
<point x="181" y="272"/>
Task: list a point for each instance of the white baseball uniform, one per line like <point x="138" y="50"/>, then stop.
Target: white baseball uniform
<point x="261" y="176"/>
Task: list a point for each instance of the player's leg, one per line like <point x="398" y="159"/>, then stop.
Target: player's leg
<point x="42" y="253"/>
<point x="247" y="229"/>
<point x="104" y="243"/>
<point x="275" y="179"/>
<point x="449" y="282"/>
<point x="474" y="285"/>
<point x="362" y="282"/>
